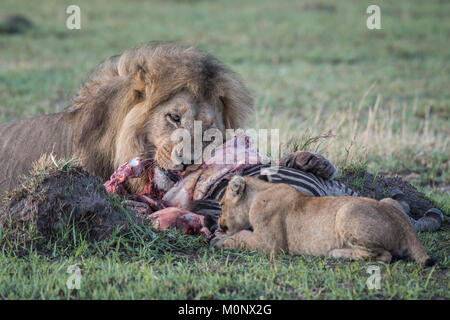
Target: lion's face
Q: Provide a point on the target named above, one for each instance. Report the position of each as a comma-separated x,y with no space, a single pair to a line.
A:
133,103
153,132
181,112
234,216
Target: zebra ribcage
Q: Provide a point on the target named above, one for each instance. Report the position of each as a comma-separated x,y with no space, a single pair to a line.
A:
300,180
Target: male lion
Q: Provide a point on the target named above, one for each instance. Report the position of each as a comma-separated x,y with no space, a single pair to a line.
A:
129,107
284,218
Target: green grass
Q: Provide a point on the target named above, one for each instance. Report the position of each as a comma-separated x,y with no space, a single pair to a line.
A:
170,265
313,67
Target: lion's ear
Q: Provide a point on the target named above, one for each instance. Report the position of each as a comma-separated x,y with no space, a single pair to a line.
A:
140,82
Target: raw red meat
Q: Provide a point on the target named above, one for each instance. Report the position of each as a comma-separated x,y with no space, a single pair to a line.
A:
228,160
176,218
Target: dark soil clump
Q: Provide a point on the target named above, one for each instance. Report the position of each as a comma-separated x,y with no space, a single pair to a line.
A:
379,187
14,24
61,197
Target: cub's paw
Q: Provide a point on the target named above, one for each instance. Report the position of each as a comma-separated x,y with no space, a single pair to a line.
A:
223,241
218,237
312,162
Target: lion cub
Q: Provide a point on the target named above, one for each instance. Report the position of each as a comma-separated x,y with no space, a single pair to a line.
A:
284,218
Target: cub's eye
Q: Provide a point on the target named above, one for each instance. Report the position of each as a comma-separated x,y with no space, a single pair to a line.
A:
174,118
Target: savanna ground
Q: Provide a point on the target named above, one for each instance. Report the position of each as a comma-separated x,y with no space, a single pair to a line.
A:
381,97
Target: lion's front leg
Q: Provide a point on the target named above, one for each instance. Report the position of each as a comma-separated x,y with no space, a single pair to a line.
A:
312,162
242,239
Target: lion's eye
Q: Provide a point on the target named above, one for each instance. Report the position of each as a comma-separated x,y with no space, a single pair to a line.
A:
174,118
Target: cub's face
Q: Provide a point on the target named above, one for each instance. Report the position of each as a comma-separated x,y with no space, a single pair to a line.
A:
172,122
234,216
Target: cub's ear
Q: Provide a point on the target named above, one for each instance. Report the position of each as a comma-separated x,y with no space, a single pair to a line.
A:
236,186
140,80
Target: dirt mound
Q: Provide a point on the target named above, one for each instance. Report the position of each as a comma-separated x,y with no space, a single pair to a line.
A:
14,24
379,187
51,200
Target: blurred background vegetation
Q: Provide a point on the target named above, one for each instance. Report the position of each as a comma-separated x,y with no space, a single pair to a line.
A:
313,67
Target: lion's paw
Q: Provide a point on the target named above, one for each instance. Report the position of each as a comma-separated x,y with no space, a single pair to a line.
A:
312,162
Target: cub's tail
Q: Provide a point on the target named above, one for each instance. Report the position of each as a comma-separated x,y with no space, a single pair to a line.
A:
417,250
411,243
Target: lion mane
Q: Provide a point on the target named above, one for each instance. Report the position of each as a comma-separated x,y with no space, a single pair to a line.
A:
103,126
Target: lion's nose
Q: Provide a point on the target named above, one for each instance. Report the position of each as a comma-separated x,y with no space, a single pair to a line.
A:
182,161
179,154
188,160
